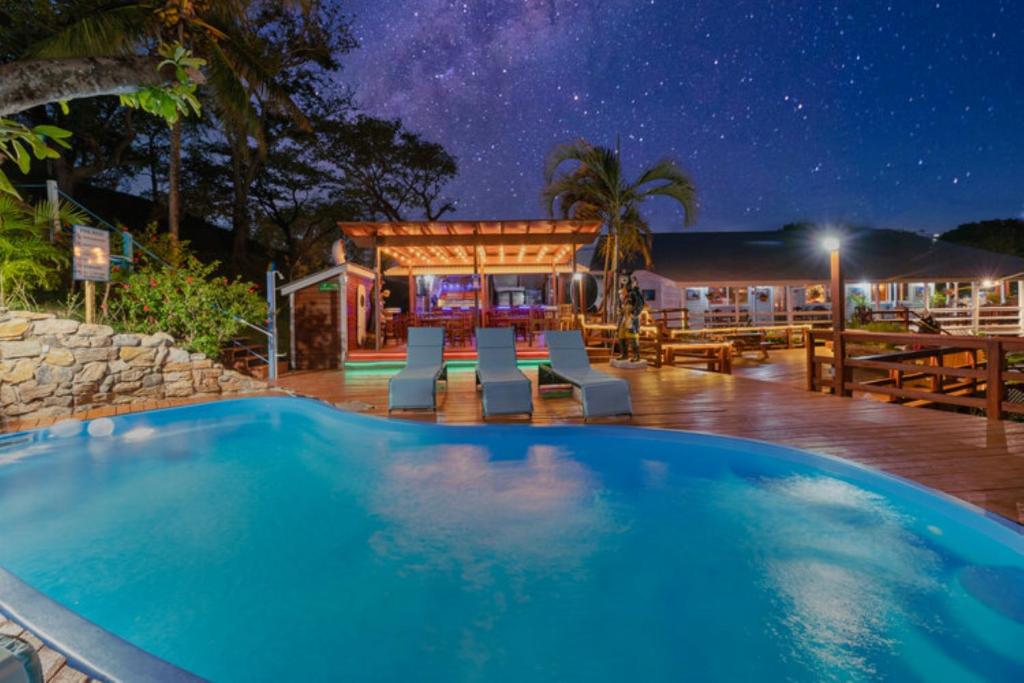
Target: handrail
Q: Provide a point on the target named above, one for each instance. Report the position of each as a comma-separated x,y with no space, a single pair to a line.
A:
952,370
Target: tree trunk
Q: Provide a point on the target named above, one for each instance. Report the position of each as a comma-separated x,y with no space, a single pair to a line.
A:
174,182
239,211
35,82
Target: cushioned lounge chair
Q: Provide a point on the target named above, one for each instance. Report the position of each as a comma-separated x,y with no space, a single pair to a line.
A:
415,385
602,394
505,390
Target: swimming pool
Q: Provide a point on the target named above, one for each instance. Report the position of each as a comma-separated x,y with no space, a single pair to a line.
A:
280,539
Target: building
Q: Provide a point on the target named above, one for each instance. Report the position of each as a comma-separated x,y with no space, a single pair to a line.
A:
763,277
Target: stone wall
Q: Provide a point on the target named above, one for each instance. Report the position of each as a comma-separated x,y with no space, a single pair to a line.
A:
51,368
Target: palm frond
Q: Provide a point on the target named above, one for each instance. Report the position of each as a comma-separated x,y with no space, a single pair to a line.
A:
102,33
560,154
675,183
232,98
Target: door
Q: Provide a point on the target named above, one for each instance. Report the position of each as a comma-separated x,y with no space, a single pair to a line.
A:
361,315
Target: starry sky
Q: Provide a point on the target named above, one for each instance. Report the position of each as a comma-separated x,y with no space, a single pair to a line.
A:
902,114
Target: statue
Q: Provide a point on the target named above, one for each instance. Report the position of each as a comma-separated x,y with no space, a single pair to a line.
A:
631,306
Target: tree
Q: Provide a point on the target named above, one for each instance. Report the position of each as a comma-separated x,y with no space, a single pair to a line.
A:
388,171
594,188
219,31
1005,236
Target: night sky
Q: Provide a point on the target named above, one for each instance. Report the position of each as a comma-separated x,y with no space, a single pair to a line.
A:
893,114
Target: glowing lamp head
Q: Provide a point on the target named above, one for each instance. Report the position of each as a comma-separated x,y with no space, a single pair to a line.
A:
988,283
831,243
577,276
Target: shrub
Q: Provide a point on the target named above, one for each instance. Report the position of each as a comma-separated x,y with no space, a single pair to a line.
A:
189,302
28,261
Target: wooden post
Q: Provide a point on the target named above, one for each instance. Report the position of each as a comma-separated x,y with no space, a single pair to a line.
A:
812,380
476,275
412,296
377,286
975,307
838,324
53,199
90,302
994,379
1020,306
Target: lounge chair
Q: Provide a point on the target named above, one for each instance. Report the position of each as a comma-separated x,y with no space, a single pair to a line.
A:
506,390
602,394
415,385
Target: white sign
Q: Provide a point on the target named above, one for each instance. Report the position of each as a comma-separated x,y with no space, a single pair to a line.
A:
92,254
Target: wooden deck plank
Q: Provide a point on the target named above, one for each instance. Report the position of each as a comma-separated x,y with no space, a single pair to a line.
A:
979,460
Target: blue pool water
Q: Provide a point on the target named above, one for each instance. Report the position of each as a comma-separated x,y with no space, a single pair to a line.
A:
282,540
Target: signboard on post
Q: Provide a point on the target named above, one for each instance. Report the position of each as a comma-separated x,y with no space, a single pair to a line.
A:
91,263
91,254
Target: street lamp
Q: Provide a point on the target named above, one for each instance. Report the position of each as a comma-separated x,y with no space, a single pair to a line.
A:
838,288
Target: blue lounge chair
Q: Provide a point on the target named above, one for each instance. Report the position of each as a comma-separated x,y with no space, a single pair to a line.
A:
602,394
505,389
415,385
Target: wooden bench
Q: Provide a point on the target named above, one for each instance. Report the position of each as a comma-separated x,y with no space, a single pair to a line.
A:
715,356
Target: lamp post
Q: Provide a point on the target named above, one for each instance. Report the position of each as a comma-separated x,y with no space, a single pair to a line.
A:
838,292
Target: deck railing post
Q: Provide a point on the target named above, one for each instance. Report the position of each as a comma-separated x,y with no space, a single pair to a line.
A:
1020,307
975,308
812,380
994,379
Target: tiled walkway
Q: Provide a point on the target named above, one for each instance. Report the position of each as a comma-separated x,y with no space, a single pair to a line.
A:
55,666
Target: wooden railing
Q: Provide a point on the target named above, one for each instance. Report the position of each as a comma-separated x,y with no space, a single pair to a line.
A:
920,369
725,318
671,318
989,320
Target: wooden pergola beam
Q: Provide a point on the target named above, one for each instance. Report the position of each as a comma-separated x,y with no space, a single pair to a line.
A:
485,240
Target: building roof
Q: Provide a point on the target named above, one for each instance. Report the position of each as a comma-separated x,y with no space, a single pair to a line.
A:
439,247
796,256
326,274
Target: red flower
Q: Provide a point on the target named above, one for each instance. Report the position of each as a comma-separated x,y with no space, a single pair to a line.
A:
152,282
190,279
145,307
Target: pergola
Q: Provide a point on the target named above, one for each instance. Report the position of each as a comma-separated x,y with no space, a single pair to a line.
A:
515,247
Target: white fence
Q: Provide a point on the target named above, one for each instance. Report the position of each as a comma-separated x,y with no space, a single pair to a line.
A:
987,320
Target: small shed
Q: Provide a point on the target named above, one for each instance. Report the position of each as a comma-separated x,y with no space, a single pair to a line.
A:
330,315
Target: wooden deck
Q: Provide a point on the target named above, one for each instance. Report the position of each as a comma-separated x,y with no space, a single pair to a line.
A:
979,460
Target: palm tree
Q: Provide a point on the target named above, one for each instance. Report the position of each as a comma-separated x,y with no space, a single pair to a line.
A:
594,188
216,31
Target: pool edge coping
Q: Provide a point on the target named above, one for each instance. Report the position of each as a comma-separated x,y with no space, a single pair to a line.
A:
110,658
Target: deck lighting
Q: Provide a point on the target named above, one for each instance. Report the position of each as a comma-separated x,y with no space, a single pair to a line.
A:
988,283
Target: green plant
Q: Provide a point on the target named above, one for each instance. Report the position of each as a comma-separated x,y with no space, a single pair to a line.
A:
176,98
28,260
938,299
876,326
201,310
17,139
